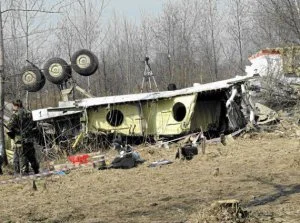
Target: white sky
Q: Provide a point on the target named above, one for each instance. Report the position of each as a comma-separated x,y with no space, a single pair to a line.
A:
132,9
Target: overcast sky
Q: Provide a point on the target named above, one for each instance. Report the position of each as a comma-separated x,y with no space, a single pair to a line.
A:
132,8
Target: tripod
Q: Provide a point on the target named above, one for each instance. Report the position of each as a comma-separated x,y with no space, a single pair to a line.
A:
148,75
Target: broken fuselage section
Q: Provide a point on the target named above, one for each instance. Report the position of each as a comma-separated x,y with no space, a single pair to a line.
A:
213,108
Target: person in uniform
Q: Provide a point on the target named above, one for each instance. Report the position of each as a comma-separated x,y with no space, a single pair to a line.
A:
21,128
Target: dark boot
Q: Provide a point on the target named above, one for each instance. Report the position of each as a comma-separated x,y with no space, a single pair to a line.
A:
36,171
1,172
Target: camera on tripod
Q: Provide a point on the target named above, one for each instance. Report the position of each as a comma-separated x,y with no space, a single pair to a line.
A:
148,75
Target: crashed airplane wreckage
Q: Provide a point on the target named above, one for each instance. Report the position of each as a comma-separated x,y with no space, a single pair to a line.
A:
213,108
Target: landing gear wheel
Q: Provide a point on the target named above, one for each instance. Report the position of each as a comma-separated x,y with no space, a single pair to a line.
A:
32,78
57,70
84,62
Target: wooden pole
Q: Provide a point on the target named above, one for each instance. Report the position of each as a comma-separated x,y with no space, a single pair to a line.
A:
2,139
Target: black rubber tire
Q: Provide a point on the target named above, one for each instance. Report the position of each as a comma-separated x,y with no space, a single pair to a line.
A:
57,70
84,62
32,78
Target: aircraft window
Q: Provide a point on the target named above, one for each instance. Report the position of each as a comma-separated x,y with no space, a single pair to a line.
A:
179,111
115,117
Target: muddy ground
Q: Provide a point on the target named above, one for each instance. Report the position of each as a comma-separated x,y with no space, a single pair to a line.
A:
260,169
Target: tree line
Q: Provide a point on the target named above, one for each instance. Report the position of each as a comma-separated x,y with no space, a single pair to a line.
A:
188,41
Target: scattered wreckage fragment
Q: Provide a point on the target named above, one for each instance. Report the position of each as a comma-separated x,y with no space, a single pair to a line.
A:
265,114
279,82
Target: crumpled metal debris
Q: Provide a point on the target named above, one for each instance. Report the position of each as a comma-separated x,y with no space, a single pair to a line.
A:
265,114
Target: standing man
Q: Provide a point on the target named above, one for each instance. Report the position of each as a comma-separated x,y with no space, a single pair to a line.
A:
21,127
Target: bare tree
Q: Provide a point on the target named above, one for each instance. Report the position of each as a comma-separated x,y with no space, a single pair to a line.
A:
209,39
238,29
125,55
80,27
27,28
212,24
175,33
165,32
277,22
186,42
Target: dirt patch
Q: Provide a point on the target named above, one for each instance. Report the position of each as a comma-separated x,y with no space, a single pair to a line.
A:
261,171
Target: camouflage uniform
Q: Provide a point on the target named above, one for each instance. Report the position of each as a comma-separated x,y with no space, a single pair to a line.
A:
21,125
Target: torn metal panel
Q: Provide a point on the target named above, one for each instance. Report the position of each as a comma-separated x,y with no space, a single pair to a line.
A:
49,113
89,102
169,116
163,117
280,64
117,118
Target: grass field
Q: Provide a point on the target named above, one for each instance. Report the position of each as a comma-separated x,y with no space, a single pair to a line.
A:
261,170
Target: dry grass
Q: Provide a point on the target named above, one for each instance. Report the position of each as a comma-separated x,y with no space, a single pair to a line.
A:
262,171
